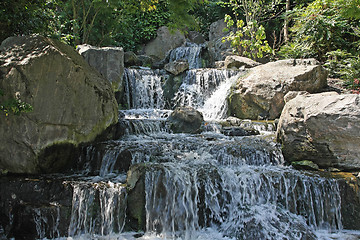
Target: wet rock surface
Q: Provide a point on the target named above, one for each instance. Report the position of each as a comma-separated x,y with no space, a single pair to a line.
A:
185,120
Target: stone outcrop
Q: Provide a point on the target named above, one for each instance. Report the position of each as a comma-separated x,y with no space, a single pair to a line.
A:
177,67
237,62
260,94
164,42
323,128
72,104
219,48
185,120
109,61
196,37
217,30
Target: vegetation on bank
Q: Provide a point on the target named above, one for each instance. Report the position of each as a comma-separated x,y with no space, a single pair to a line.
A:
328,30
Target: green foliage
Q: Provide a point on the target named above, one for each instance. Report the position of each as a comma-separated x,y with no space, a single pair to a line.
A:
320,28
23,17
295,50
344,65
139,27
14,105
249,40
209,12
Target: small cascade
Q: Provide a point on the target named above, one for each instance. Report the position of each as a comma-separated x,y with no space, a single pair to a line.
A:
199,84
215,107
44,225
97,208
143,88
190,52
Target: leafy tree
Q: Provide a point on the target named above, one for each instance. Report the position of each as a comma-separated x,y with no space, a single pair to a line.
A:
320,28
250,37
19,17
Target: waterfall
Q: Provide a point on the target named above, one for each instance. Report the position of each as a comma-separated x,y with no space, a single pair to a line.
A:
188,186
199,84
97,208
143,88
215,107
241,202
190,52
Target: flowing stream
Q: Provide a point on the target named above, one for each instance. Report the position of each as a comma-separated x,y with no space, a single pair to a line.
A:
196,186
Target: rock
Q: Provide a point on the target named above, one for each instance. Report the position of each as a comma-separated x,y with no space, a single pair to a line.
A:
219,49
196,37
164,42
131,59
217,30
185,120
305,165
234,61
146,61
293,94
323,128
220,64
30,206
239,131
177,67
109,61
260,94
136,213
72,104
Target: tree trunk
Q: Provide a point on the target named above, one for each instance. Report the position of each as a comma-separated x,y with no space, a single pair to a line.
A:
75,22
286,23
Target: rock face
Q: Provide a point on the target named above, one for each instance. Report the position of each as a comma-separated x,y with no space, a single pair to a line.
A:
109,61
196,37
177,67
216,46
234,61
260,95
323,128
71,103
216,30
164,42
185,120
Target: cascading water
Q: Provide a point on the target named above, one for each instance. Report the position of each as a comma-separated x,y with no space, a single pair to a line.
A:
199,84
190,52
195,186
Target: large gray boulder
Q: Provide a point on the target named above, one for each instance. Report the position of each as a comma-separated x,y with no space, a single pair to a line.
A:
323,128
260,94
164,42
109,61
185,120
72,104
